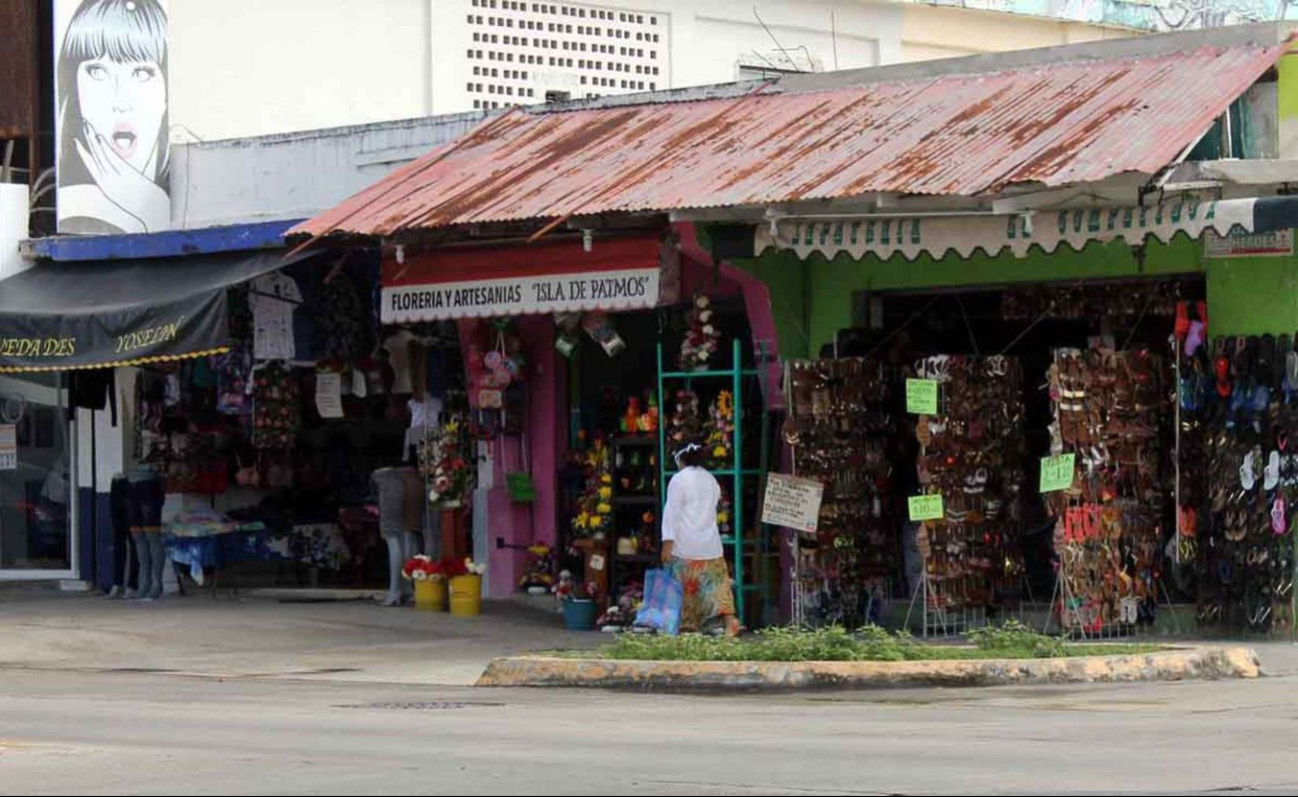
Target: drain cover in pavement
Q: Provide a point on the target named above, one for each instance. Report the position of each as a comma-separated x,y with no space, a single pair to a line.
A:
439,705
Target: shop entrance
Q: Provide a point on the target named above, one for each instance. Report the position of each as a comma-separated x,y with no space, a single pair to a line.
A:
1021,372
37,497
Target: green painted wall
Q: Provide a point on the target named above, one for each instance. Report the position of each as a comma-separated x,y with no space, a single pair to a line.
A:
1245,295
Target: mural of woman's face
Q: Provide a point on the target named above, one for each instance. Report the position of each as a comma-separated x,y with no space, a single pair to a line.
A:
125,102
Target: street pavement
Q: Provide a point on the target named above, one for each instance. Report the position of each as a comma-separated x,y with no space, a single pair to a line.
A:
240,697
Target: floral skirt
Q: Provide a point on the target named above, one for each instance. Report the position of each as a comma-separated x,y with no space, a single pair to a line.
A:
709,592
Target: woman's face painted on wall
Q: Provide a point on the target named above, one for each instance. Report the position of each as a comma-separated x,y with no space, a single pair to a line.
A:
125,102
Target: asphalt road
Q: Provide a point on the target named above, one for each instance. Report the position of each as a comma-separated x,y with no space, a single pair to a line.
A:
119,732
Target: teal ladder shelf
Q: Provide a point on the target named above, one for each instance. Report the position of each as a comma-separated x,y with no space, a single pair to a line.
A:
734,543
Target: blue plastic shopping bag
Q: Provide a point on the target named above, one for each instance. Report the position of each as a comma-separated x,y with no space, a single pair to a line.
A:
663,599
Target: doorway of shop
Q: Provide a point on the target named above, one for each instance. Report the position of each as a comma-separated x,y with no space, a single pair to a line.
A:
38,506
1036,325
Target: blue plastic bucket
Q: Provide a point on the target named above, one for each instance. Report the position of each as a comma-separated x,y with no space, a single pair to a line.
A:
579,615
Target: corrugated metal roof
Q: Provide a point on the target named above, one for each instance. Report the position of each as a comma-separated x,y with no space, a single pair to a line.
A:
962,135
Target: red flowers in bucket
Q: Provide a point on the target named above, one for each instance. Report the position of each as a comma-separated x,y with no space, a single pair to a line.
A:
423,568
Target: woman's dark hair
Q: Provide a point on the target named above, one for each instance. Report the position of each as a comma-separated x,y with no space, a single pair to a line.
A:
690,455
121,30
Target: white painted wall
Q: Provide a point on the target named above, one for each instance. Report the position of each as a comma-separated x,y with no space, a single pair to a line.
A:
14,203
252,67
242,68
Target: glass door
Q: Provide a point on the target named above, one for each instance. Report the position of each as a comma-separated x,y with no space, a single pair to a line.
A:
37,488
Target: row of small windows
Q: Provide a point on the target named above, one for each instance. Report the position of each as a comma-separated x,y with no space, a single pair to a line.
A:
547,8
582,30
612,83
510,74
492,88
613,66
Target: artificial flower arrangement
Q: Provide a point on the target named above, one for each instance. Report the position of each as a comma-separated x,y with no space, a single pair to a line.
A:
538,576
724,513
454,568
721,430
422,568
595,507
441,461
702,339
683,423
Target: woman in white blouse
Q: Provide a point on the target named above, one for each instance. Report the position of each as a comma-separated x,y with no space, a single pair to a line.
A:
692,544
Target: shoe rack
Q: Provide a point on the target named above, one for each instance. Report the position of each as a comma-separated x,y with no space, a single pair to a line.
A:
840,425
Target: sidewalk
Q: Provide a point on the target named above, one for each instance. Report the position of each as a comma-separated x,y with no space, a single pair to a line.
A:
237,637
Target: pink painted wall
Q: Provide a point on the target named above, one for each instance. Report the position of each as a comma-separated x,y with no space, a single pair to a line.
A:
700,275
545,428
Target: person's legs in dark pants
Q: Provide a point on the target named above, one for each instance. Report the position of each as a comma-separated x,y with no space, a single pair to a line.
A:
124,575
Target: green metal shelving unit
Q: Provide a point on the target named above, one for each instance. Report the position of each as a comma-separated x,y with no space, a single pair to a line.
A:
734,543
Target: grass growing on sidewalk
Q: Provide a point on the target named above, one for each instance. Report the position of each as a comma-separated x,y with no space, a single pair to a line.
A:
1010,641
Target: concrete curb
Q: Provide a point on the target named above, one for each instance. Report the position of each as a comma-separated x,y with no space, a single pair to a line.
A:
1170,665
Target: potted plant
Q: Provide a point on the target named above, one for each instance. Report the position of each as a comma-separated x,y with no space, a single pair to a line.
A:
429,581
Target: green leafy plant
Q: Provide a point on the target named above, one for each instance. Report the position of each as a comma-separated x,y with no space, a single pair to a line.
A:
1016,638
1012,640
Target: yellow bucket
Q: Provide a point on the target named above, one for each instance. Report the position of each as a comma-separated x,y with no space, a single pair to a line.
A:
466,596
430,596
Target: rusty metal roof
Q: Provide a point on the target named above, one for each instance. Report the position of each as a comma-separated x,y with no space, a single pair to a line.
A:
952,134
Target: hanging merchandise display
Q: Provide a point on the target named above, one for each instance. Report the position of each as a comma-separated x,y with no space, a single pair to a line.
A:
840,427
1109,521
600,329
1119,302
277,411
1240,393
972,454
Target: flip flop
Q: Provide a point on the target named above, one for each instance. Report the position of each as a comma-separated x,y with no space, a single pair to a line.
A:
1194,338
1279,520
1271,474
1247,476
1182,325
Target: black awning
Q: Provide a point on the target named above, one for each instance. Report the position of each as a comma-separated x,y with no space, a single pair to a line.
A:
66,315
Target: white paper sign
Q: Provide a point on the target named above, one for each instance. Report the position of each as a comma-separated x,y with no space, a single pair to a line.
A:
8,447
329,395
792,502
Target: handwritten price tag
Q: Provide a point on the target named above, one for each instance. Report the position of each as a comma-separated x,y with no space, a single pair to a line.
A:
1057,472
925,507
921,396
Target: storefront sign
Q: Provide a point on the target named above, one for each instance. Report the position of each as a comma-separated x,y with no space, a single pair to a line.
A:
792,502
1057,472
921,396
1021,233
1262,244
618,290
632,272
925,507
8,447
